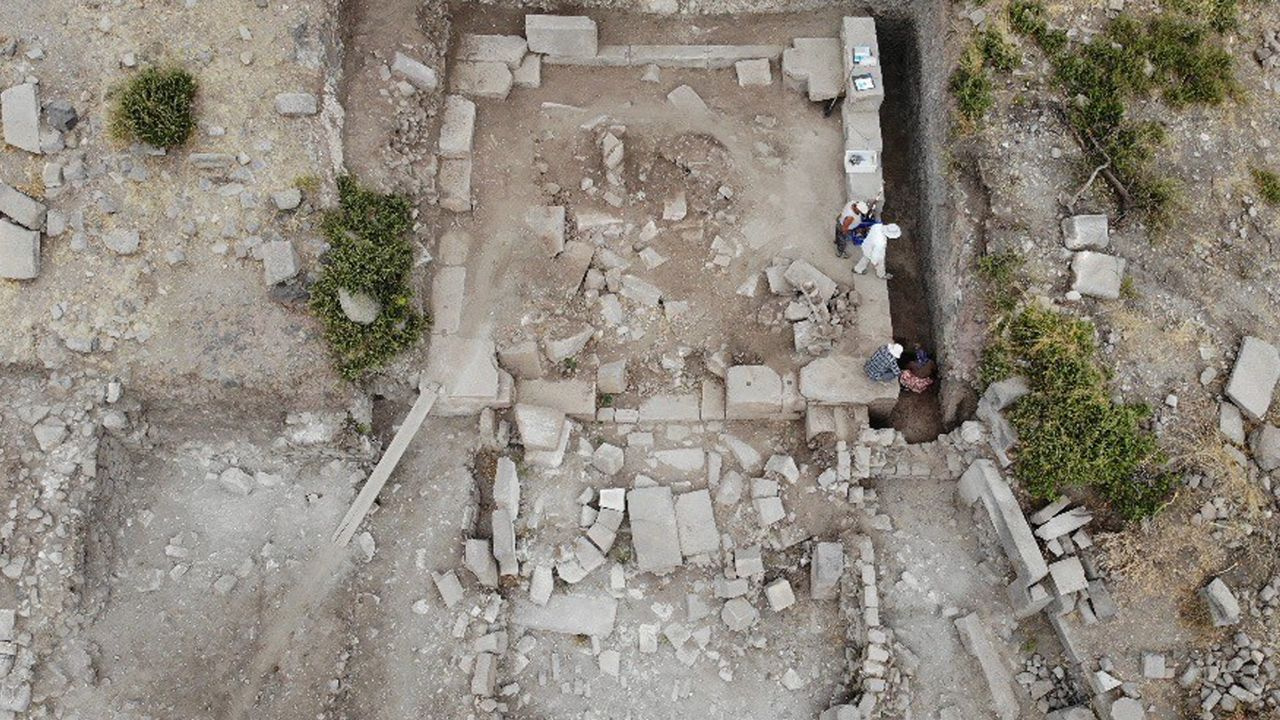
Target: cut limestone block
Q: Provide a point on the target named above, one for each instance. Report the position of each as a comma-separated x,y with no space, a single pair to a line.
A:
484,675
22,209
504,542
826,570
611,377
568,615
752,391
455,184
20,114
541,585
1068,576
860,32
671,408
713,399
606,56
550,458
297,104
539,427
814,66
529,74
19,252
562,35
575,397
1231,422
1097,274
841,380
697,524
1265,445
1253,380
739,614
506,487
654,531
780,595
1224,609
562,348
457,128
546,223
687,99
483,79
508,50
754,73
418,75
467,370
523,359
479,560
448,291
982,481
981,643
1085,232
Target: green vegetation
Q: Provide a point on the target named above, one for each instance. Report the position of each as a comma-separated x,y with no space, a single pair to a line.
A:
1071,432
1221,15
370,253
1173,56
156,107
971,80
999,270
1268,185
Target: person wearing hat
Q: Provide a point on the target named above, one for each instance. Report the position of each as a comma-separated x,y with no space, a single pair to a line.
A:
873,247
883,365
852,225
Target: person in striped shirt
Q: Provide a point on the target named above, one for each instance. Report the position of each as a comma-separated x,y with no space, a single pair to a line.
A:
883,365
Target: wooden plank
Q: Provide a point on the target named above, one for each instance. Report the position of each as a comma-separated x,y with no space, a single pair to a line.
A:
408,429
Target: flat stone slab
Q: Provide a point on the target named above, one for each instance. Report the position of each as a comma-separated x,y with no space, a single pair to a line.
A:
575,397
458,127
21,209
540,427
297,104
696,521
654,532
454,182
482,79
1097,274
1253,379
1086,232
562,35
671,408
418,75
546,224
506,49
978,639
752,392
754,73
448,293
467,370
982,481
687,99
20,114
19,252
568,615
841,380
814,66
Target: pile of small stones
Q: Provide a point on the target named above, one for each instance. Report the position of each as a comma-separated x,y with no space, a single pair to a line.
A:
1050,686
1268,53
1234,676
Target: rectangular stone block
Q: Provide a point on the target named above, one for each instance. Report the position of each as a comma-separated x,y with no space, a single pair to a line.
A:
1086,232
671,408
506,49
529,74
840,380
696,521
483,79
418,75
575,397
978,639
561,35
20,115
448,292
19,252
546,224
454,182
607,56
713,398
457,128
568,615
1097,274
752,391
1253,379
825,570
654,530
23,210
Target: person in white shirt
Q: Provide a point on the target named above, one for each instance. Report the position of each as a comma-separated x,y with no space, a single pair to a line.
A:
874,246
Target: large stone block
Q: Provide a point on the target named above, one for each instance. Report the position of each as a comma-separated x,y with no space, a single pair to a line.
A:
752,391
546,224
448,292
506,49
671,408
840,380
654,529
562,35
20,114
19,252
458,127
418,75
978,639
575,397
467,370
1097,274
454,182
522,359
1253,380
568,615
22,209
540,427
814,66
825,570
982,481
1086,232
696,521
483,79
754,73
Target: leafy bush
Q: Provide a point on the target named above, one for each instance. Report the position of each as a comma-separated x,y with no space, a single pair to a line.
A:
972,88
156,107
370,253
1268,185
1071,433
998,53
1173,56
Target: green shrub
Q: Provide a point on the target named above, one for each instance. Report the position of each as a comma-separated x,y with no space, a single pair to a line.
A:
156,107
999,273
1221,15
370,253
997,52
1172,56
1071,433
1268,185
972,88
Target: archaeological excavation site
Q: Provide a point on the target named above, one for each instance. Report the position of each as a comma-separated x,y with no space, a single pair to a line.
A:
639,359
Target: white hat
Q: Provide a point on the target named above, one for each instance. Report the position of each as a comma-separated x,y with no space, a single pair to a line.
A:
892,231
895,350
862,207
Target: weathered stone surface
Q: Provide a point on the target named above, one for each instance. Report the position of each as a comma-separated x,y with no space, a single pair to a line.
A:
529,74
1097,274
454,182
754,73
696,521
670,408
297,104
449,587
840,380
978,640
482,79
484,675
1253,380
654,532
467,371
539,427
1127,708
569,615
575,397
20,115
611,377
478,558
541,585
418,75
803,276
560,349
713,399
682,461
982,481
1231,422
448,293
686,99
814,66
523,359
1224,609
1067,522
359,307
640,291
279,261
19,252
457,127
562,35
506,487
504,542
1068,576
780,595
506,49
1265,444
546,224
608,459
825,570
287,199
752,391
739,614
122,241
1085,232
21,209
